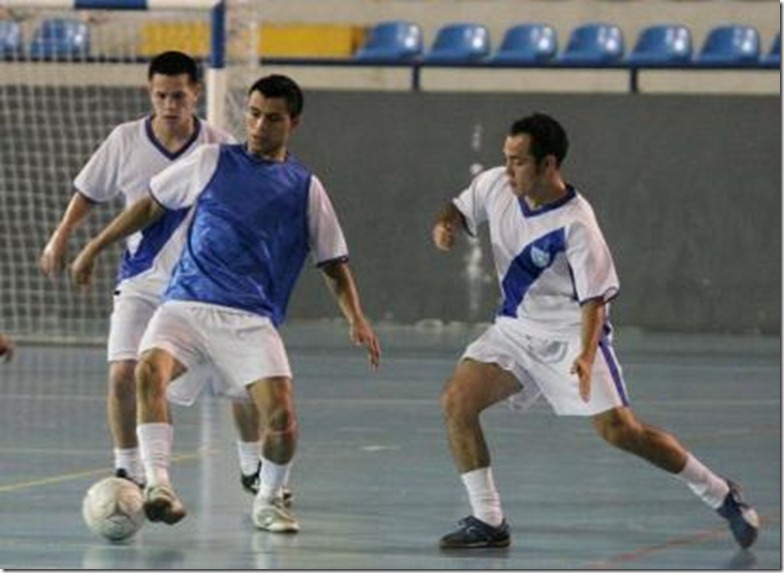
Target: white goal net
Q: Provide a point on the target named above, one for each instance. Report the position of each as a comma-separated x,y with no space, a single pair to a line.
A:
55,109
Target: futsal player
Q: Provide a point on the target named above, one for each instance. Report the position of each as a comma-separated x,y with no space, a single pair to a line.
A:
123,165
258,213
551,335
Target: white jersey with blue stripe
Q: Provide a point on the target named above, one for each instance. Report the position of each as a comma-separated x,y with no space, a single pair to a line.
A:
548,261
254,223
123,166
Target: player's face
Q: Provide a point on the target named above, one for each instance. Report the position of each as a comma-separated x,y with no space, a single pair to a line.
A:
173,100
269,125
524,174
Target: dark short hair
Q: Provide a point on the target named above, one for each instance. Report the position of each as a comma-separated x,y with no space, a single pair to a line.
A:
174,63
548,137
280,86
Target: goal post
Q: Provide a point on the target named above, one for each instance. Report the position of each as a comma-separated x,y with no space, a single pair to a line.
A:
56,109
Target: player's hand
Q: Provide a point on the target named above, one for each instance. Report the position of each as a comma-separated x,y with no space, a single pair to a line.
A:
6,347
444,235
583,367
362,335
51,261
82,268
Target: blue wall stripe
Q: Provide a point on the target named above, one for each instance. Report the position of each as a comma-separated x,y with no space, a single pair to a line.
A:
218,37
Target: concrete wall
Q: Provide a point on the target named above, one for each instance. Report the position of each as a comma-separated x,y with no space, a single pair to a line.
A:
687,189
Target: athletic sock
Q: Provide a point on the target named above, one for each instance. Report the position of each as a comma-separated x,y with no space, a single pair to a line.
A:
709,487
273,477
129,460
155,443
483,496
249,453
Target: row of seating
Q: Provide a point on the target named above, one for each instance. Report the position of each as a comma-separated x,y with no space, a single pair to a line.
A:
594,43
524,44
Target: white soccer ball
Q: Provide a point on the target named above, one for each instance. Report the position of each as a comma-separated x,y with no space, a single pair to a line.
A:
113,508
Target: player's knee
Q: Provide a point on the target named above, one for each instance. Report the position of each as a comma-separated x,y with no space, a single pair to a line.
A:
122,381
623,434
282,420
149,379
455,404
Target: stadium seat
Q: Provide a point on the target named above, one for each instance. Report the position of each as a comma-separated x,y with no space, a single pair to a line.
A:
774,55
459,43
732,44
60,38
11,44
527,43
662,44
392,41
595,43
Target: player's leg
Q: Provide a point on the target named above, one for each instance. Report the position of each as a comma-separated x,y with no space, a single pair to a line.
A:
621,428
156,368
130,315
473,387
121,414
246,422
274,399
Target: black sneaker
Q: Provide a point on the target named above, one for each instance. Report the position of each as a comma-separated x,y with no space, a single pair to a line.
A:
123,473
743,520
474,533
250,483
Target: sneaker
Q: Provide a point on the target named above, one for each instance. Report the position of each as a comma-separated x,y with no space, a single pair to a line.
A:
250,483
123,473
271,515
743,520
162,504
474,533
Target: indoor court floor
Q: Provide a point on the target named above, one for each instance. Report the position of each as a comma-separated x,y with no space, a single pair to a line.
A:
374,484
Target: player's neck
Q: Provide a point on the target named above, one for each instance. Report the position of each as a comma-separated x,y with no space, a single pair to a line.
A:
547,194
172,138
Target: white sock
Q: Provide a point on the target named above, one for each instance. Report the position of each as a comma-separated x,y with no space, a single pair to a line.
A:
483,496
249,454
709,487
129,460
273,477
155,443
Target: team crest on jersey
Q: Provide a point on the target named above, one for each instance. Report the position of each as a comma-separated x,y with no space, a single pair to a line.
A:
540,257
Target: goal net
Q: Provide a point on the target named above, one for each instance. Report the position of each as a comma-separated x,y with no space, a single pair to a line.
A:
57,104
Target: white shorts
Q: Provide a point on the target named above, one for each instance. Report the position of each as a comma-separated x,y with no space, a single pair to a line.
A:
543,367
130,316
241,346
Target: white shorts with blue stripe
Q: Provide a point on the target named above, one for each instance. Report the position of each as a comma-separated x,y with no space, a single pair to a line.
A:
543,367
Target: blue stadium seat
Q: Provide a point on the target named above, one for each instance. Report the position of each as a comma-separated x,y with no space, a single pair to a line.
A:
527,43
731,44
11,43
60,38
773,57
595,43
392,41
662,44
459,43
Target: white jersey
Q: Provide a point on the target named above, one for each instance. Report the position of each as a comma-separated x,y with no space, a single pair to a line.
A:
548,261
123,165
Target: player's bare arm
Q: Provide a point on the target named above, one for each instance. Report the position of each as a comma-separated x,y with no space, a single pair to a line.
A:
134,218
6,347
53,255
341,282
448,223
594,313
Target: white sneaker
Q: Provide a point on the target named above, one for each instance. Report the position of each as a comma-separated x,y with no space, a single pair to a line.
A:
162,504
271,515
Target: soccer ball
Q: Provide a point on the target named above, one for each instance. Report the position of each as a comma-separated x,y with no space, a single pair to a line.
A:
113,508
